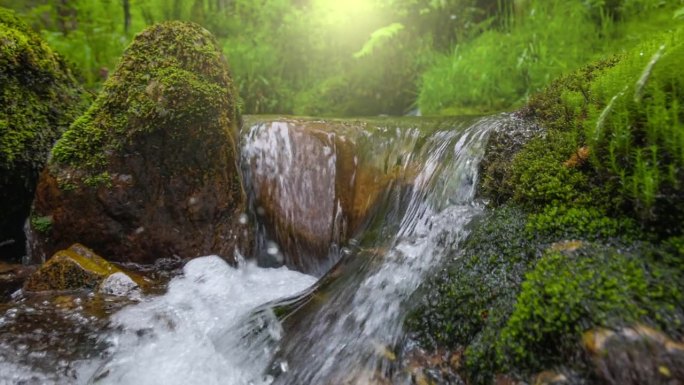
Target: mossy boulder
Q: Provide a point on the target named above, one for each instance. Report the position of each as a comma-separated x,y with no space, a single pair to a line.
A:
463,307
613,139
39,98
569,292
75,268
518,294
150,170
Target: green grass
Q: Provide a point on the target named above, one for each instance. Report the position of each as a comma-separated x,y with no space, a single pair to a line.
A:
542,40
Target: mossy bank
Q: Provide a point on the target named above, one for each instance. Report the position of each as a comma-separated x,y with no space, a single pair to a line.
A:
584,231
150,169
39,98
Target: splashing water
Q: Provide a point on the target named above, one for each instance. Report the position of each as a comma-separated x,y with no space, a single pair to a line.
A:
180,337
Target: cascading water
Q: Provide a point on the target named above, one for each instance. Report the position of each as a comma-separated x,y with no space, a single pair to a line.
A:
348,339
217,324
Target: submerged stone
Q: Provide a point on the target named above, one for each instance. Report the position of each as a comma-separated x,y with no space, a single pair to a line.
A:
39,98
77,267
150,171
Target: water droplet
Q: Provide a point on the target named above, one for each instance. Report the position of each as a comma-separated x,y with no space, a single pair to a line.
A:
243,219
271,248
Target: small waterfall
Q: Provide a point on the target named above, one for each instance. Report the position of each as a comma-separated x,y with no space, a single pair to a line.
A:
348,339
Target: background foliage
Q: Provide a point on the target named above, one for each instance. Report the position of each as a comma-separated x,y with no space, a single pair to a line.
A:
367,57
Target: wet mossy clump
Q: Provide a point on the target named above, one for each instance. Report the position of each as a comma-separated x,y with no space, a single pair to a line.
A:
480,282
150,169
515,302
39,98
571,291
614,140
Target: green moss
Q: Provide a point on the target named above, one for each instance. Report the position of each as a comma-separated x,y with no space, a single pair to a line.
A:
627,113
539,177
557,223
171,76
102,179
469,302
636,126
516,271
568,293
42,224
39,95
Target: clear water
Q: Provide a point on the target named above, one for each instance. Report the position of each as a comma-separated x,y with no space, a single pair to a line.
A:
216,324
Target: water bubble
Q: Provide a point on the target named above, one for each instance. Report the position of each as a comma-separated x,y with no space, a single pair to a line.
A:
243,219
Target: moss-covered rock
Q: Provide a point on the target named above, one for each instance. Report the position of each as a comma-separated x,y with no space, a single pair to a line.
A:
613,138
150,170
466,305
77,267
568,293
39,98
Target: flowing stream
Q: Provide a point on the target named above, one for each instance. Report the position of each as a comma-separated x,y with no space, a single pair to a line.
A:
338,324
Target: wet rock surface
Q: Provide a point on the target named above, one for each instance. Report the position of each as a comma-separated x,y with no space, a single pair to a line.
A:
150,170
12,277
315,183
635,355
39,98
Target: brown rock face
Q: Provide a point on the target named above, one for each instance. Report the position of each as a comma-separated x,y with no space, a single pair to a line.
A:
150,170
315,183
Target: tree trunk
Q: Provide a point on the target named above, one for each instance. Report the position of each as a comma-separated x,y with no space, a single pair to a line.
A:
127,15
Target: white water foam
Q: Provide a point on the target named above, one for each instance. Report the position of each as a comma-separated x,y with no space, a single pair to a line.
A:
182,337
